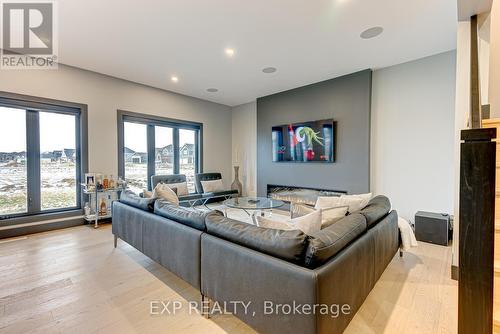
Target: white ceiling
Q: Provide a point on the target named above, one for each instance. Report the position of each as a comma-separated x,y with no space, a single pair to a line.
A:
147,41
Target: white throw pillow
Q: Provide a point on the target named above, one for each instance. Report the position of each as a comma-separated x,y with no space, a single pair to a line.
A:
212,186
324,202
332,215
182,188
356,202
328,215
308,224
299,210
165,192
272,223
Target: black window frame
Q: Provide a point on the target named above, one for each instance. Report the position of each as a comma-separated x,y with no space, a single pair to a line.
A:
33,105
151,121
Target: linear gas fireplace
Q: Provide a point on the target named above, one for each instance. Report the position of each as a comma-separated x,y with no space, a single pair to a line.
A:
297,194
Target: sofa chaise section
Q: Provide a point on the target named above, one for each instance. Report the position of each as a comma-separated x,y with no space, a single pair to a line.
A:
348,264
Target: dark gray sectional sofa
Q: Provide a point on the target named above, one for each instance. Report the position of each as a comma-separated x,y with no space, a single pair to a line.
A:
231,261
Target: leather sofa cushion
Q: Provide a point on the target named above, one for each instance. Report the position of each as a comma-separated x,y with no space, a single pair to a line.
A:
186,216
377,208
286,245
324,244
130,198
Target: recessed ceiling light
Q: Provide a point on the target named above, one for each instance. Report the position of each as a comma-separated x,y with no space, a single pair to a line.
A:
212,90
174,78
229,52
269,70
371,33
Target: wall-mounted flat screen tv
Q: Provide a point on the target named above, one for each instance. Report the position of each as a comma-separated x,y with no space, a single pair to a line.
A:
305,142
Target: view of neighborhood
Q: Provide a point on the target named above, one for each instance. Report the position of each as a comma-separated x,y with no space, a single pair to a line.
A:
136,156
136,165
12,182
58,181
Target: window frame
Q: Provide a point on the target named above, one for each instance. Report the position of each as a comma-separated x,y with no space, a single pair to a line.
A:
151,121
33,105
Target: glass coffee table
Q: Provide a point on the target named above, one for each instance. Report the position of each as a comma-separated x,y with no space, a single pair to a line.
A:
254,204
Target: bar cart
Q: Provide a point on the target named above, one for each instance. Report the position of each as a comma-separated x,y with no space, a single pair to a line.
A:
94,195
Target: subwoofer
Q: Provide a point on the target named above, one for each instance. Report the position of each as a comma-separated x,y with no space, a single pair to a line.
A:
433,227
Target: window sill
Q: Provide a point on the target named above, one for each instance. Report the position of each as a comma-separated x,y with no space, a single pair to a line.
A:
41,218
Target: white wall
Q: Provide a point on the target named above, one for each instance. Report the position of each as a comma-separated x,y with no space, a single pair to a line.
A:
462,110
484,23
244,121
412,139
104,95
494,75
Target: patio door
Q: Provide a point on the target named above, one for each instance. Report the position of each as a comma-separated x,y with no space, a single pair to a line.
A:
39,160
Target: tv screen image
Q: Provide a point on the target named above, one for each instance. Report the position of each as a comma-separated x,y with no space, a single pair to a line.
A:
304,142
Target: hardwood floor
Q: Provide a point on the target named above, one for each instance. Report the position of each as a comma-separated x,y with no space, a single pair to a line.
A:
74,281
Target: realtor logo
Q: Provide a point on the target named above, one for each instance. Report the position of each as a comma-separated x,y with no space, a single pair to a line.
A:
28,35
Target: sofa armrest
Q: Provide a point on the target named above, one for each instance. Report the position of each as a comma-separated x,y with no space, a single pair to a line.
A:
190,197
233,273
349,276
128,222
220,193
346,280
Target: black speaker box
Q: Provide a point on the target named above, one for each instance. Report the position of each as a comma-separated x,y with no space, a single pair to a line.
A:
433,227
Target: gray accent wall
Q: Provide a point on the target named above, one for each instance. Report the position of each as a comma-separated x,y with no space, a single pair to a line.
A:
347,100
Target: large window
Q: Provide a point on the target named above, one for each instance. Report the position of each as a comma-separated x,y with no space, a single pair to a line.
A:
58,170
136,155
13,171
40,158
164,150
187,153
150,145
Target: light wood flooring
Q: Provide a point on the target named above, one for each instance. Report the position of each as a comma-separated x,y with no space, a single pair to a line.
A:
74,281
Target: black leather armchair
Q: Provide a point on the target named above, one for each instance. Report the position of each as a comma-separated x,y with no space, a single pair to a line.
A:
198,198
212,196
190,199
167,179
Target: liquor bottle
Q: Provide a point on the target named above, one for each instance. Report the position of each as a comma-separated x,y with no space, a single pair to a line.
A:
87,209
98,181
111,182
103,209
105,182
